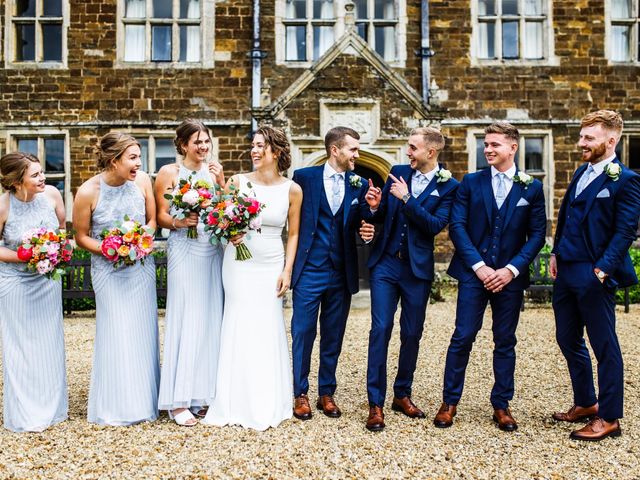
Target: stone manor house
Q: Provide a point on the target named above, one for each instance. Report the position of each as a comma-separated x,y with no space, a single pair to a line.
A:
73,70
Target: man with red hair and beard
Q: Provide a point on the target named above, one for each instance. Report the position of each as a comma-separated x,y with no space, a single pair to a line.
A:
597,223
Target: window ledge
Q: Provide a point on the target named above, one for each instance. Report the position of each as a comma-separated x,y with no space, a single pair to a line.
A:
35,65
543,62
162,65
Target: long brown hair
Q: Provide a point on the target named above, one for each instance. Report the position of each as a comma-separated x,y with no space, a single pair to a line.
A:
13,167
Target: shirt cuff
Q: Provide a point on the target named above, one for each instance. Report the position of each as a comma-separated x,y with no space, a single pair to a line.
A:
514,270
373,210
476,266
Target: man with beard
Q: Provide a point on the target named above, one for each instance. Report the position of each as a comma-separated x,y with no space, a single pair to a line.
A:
596,225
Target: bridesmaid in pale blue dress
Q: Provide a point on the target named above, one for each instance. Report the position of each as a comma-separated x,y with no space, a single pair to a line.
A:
126,374
194,287
35,382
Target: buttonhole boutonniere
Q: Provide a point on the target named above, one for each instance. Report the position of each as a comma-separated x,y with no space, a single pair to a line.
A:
523,178
443,175
355,181
613,171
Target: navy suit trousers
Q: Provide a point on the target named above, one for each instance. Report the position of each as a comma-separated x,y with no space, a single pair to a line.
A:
391,280
324,289
581,301
505,308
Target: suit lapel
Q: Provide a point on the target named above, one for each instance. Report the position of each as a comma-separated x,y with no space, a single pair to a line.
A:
317,190
595,186
574,180
487,193
348,196
512,201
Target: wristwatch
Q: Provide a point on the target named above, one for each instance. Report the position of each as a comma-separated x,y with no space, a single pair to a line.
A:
406,197
601,275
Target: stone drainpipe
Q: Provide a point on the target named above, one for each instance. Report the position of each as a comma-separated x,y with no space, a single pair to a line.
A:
425,51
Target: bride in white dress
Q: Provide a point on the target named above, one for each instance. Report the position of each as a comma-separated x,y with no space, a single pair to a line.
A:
254,385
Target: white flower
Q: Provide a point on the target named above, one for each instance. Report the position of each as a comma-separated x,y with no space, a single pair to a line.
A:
128,225
355,181
613,170
443,175
255,223
190,197
523,178
44,266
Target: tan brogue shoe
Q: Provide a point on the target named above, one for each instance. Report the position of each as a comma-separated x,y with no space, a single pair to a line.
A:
576,414
375,421
328,406
596,430
406,406
444,417
301,408
504,419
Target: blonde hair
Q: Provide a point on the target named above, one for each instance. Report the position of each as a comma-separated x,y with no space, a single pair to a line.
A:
13,167
111,147
431,135
609,120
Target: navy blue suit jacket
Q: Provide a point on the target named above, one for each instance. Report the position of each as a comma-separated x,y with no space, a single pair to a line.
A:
609,224
426,215
472,217
312,184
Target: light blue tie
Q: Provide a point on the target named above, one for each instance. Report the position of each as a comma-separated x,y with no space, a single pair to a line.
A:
501,191
335,193
584,180
420,185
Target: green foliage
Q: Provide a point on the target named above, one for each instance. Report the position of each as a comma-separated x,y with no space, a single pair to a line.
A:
634,291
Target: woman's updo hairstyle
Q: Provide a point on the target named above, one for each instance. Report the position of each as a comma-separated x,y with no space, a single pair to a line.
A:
277,140
13,167
111,147
188,127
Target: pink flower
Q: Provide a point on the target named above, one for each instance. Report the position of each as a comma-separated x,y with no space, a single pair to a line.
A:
204,193
44,266
254,207
191,197
25,254
255,223
230,211
110,247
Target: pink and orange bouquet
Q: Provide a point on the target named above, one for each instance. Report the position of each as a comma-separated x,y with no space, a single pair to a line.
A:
126,243
233,214
47,252
188,197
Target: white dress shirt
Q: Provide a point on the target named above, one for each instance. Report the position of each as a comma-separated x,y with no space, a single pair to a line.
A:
508,184
419,185
598,168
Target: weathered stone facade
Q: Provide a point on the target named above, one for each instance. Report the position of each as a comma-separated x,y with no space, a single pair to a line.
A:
94,93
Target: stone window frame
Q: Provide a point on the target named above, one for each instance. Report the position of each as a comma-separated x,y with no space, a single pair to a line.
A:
546,175
633,22
339,30
41,134
150,137
622,149
39,20
548,38
207,37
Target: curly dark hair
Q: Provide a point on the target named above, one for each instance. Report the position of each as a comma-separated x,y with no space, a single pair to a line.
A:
277,140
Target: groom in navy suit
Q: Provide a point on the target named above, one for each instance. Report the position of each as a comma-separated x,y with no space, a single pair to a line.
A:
414,207
597,223
325,272
498,226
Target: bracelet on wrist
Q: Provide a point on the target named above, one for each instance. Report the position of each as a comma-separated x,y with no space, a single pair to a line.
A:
173,224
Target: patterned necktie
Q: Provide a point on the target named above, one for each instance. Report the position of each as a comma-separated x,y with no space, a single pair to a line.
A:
419,185
584,180
335,193
501,191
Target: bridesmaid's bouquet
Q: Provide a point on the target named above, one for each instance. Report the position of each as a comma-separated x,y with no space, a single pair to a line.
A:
47,252
234,214
189,197
127,242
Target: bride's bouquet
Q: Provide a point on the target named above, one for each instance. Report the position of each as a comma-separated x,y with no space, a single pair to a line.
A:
189,197
127,242
234,214
47,252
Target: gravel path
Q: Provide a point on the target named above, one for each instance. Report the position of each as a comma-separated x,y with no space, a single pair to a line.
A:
343,448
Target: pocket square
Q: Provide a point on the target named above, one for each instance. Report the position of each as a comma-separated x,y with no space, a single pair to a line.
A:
354,201
522,202
604,193
434,194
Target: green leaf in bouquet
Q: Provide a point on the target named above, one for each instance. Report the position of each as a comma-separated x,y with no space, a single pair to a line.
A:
168,196
132,254
111,251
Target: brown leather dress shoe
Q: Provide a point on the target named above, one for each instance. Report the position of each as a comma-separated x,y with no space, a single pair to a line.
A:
596,430
301,408
504,420
444,417
576,413
406,406
375,422
328,406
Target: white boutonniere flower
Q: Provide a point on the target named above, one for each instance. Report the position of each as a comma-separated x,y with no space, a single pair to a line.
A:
355,181
523,178
443,175
613,170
